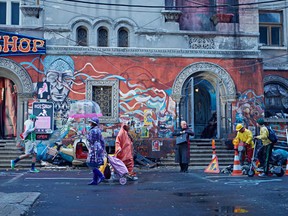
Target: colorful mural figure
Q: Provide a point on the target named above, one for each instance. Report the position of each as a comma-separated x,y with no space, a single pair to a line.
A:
59,72
249,108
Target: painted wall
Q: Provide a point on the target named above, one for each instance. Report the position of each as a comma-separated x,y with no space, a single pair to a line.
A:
145,88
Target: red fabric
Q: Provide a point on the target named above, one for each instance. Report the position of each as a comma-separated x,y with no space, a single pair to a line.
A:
9,109
130,165
124,148
80,154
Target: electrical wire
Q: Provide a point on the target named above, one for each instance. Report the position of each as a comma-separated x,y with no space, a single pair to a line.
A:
175,7
151,11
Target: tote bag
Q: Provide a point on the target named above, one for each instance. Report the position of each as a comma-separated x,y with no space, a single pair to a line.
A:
181,139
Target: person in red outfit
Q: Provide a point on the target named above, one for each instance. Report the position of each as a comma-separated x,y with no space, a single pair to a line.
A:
124,149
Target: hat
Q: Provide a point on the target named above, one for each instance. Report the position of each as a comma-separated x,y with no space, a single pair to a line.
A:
33,116
239,127
94,120
260,121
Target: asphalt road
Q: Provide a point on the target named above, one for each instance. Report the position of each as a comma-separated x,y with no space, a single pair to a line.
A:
159,191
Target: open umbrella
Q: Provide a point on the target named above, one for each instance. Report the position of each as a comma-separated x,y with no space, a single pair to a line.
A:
84,109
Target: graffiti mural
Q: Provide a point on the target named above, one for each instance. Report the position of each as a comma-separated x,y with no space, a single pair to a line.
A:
141,98
249,108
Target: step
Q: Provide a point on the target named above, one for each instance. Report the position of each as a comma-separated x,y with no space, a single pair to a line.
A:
201,154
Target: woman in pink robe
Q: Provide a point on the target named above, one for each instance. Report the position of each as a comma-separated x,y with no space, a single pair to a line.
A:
124,148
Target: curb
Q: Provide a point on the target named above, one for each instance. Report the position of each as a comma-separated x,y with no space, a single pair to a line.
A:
14,204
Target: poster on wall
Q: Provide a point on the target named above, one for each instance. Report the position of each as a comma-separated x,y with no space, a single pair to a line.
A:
144,132
156,145
45,117
43,90
148,120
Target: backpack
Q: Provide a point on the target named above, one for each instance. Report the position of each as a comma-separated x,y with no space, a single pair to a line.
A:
272,135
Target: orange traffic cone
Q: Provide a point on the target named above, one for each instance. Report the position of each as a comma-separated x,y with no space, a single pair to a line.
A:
236,167
213,167
286,173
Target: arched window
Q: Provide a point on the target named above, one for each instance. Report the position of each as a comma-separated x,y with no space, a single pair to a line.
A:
123,39
82,36
276,100
102,37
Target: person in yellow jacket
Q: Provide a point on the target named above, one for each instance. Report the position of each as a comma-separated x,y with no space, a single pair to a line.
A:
267,145
246,137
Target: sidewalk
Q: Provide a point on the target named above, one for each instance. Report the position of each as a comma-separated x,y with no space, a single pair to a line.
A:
17,204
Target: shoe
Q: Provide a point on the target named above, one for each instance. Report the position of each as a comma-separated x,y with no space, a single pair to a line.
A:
100,179
262,175
34,170
132,178
12,164
43,163
93,183
132,174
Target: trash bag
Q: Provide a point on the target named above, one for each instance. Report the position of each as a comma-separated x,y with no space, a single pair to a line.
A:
41,152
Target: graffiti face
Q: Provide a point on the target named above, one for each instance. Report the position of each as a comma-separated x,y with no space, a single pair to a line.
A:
60,84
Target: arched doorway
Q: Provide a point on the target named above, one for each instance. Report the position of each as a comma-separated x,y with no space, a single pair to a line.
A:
198,104
205,91
16,88
8,108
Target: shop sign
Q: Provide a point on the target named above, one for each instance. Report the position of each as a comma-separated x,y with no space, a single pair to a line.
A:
45,117
16,44
42,136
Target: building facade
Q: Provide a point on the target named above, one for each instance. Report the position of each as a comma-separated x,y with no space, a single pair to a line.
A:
153,64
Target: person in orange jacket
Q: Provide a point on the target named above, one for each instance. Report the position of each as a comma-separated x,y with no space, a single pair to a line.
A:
245,136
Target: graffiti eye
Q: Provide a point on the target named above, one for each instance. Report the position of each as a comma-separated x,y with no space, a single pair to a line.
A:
68,78
52,77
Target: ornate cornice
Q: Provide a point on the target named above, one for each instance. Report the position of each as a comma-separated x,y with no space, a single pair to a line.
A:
276,66
30,10
117,51
171,15
201,42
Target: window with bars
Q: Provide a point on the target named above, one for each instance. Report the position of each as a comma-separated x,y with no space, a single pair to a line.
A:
123,37
102,37
82,36
106,94
103,96
271,28
9,12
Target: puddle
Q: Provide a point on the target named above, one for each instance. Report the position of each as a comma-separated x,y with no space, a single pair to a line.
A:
230,210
